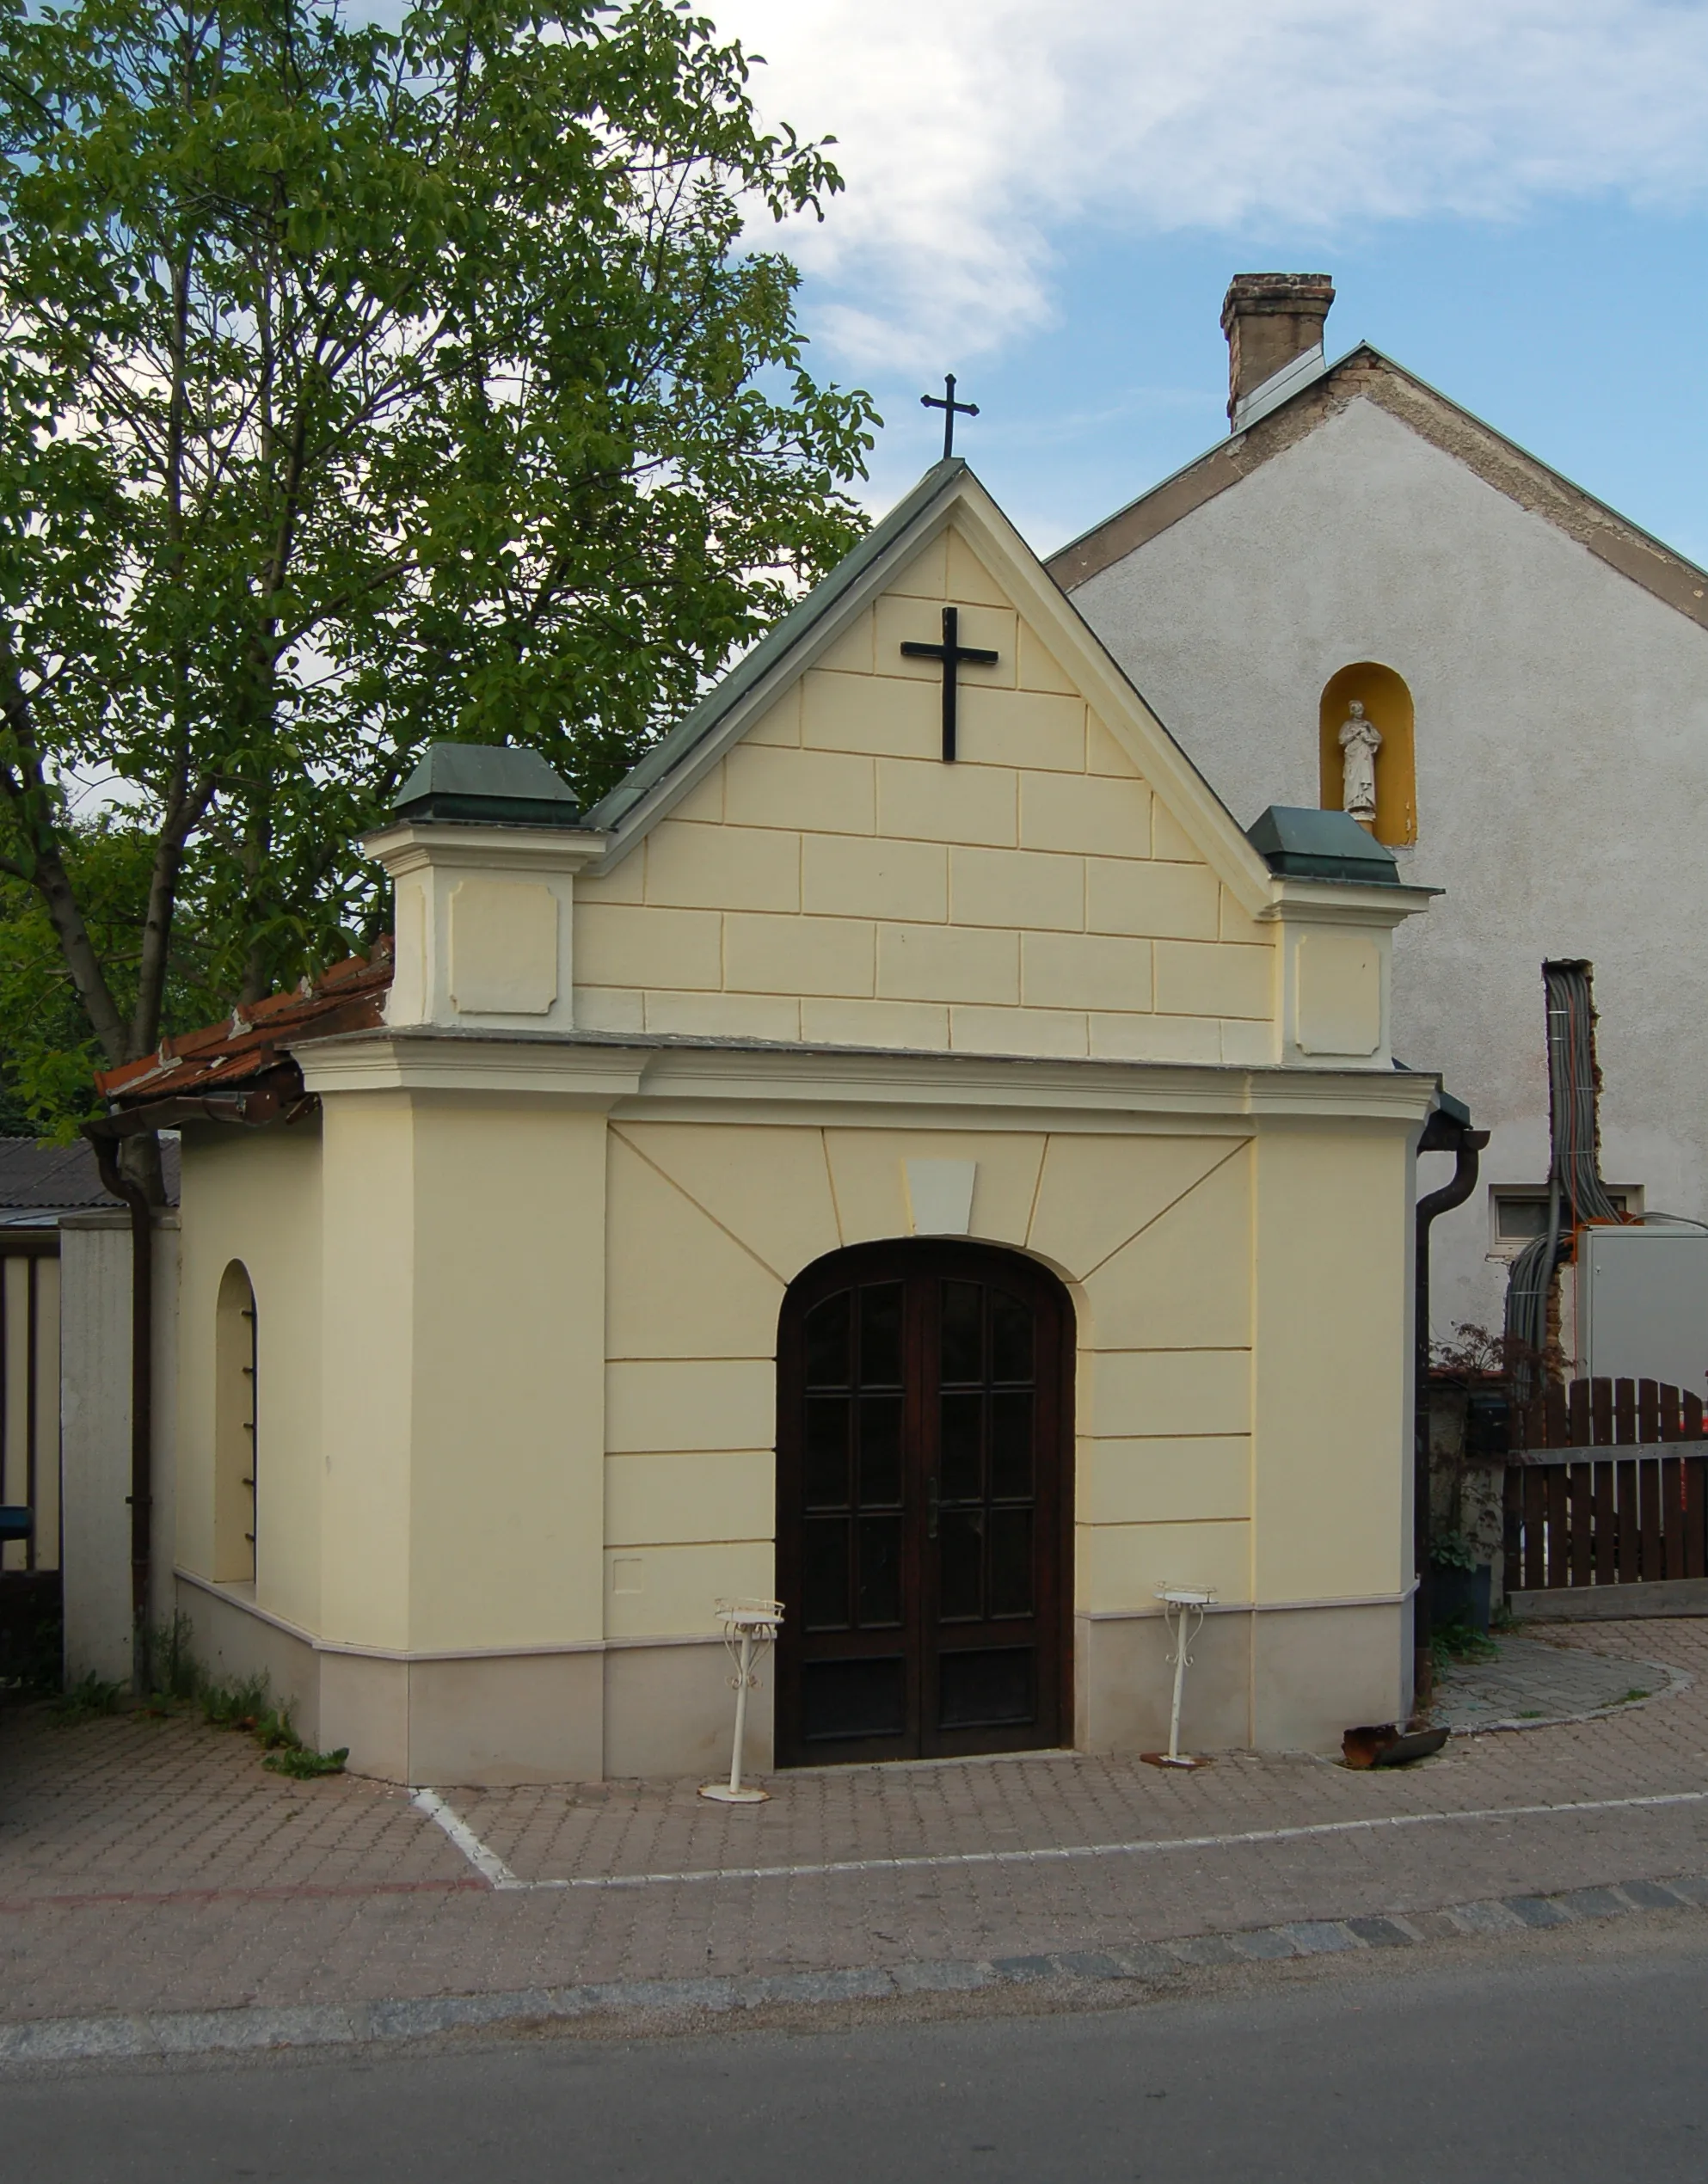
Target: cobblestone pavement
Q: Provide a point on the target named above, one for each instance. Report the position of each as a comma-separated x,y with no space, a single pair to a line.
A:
1530,1680
150,1865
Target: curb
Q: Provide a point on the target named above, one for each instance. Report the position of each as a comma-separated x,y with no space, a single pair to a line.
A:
158,2035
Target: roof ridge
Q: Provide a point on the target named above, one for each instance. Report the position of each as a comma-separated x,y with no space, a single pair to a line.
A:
1227,462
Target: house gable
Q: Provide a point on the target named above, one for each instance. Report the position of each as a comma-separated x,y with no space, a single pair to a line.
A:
1068,886
1364,374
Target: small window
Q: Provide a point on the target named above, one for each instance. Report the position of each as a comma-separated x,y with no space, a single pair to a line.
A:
1519,1213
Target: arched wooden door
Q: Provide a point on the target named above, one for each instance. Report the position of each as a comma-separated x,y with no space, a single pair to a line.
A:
924,1520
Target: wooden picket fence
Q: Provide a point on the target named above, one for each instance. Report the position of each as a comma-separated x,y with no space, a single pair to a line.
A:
1578,1514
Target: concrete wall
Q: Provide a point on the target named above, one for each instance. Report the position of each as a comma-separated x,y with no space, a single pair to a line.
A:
548,1401
94,1405
708,1226
1562,760
1247,1435
833,881
94,1409
463,1310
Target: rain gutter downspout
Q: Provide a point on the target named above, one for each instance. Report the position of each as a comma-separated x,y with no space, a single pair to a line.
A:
1441,1133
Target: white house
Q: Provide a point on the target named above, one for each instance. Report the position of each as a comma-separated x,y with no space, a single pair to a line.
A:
1538,669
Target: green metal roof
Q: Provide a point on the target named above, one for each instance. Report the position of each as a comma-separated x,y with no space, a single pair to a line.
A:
1304,844
500,784
751,669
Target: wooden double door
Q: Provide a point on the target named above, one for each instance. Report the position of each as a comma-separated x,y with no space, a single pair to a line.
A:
925,1420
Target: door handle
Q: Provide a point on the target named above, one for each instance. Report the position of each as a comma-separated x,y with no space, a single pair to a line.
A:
931,1507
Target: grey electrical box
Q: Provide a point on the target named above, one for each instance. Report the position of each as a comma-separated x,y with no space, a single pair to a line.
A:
1643,1306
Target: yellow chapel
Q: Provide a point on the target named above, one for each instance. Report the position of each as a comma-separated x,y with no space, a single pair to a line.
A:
907,1154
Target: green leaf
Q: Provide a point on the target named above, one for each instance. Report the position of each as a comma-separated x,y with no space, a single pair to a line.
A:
359,388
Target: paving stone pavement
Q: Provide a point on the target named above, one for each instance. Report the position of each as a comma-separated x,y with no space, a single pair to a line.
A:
153,1866
1529,1680
1065,1975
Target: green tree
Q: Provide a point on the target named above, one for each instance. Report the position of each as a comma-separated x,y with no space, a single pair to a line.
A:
358,387
49,1052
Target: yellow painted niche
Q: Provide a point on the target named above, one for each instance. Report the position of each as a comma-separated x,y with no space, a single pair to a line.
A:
1387,701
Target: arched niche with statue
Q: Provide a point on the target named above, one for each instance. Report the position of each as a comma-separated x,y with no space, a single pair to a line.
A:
1366,743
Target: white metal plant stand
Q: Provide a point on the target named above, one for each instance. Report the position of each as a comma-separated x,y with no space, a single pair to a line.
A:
748,1626
1180,1603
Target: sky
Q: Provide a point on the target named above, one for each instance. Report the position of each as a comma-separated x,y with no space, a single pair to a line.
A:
1049,197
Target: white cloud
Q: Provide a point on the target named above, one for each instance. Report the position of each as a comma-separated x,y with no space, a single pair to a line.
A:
973,133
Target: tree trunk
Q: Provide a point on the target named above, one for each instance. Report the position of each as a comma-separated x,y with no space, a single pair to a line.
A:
139,1161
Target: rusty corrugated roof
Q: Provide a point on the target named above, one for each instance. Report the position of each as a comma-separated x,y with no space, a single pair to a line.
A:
36,1177
251,1044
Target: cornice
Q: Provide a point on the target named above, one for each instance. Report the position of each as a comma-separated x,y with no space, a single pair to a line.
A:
410,845
427,1061
661,1079
1343,902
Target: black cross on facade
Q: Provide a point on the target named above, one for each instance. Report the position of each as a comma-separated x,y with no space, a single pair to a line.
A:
951,410
951,651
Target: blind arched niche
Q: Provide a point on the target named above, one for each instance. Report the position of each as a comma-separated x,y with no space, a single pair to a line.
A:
234,1428
1387,701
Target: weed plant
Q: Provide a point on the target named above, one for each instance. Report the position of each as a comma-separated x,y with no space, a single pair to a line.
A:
88,1700
298,1761
246,1704
243,1704
1457,1641
177,1675
236,1705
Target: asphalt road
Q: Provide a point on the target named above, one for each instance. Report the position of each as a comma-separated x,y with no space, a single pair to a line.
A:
1582,2058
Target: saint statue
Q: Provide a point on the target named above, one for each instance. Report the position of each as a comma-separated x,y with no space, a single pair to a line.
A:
1360,741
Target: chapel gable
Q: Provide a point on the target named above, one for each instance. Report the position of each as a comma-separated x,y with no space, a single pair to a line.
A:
896,851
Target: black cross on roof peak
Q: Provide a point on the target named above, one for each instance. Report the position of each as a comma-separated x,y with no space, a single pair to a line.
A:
950,408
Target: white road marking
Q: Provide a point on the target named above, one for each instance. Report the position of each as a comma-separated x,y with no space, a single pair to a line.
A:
488,1862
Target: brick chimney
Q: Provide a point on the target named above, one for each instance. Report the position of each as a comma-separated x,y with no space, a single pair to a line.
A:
1271,320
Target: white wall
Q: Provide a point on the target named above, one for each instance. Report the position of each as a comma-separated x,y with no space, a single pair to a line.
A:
1562,728
94,1429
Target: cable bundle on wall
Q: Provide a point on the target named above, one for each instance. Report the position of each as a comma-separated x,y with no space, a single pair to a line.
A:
1576,1191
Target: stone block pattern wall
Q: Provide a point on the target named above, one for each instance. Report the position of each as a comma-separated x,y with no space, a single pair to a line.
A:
832,881
708,1223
